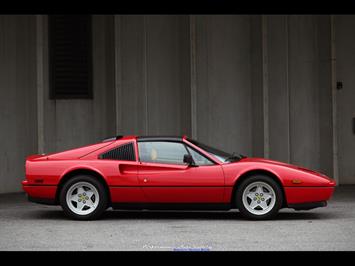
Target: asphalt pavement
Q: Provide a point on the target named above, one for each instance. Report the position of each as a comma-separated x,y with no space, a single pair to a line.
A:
30,226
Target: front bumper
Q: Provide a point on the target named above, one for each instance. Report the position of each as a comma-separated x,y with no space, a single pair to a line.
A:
303,195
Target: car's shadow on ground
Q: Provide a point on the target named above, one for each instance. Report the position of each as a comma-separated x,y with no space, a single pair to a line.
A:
180,215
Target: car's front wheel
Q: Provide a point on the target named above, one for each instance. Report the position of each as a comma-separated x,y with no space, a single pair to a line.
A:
259,197
83,198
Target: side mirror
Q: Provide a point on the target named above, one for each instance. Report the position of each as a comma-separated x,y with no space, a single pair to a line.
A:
188,160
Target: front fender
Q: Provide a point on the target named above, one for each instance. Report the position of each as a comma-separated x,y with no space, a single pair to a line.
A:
234,172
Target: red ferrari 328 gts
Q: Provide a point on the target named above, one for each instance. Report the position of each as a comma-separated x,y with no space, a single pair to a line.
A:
130,172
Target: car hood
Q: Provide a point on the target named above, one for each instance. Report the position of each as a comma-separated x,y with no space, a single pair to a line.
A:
267,161
262,160
290,173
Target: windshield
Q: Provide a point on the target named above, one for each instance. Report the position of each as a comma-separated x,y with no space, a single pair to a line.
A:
221,156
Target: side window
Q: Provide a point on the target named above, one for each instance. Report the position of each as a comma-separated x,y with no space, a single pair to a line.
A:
123,153
199,159
162,152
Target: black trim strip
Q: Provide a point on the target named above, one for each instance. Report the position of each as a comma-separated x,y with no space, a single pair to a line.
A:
307,206
171,186
159,138
44,201
171,206
307,187
113,138
40,185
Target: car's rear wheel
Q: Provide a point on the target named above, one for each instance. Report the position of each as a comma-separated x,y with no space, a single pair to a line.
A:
83,198
259,197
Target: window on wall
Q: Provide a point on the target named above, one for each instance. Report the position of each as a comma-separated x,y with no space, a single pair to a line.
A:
70,56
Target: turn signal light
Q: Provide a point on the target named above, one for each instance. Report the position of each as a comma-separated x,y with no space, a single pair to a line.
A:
296,181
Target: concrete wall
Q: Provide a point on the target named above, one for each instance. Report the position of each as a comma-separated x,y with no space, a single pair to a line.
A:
300,90
224,82
154,75
345,62
18,134
72,123
295,57
258,85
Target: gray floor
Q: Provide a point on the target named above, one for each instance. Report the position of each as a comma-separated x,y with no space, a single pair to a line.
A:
28,226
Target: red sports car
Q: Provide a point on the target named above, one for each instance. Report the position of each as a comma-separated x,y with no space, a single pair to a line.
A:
130,172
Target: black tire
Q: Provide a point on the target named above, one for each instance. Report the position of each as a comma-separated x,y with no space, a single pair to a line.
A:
258,178
103,197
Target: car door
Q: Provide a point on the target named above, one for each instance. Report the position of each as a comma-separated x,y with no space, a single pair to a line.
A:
165,178
120,166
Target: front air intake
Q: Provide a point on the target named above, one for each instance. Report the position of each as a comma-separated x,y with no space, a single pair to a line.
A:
123,153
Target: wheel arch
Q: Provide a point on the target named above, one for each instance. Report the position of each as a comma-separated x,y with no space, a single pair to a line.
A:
249,173
82,171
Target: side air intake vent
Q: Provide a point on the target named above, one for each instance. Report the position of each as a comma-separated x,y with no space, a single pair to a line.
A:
124,153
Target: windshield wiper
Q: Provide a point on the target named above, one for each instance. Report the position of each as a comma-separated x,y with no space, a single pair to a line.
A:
235,156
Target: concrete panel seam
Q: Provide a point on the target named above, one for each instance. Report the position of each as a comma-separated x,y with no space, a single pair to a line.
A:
145,74
334,101
40,82
193,78
288,90
118,75
265,86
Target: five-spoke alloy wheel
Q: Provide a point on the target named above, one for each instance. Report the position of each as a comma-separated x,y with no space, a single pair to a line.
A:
259,197
83,198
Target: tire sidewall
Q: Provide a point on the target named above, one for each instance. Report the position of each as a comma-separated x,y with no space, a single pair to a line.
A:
261,178
102,195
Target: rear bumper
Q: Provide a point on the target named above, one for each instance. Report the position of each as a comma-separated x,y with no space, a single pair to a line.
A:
44,194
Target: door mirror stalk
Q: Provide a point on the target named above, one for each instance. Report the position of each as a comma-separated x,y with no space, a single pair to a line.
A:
189,160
